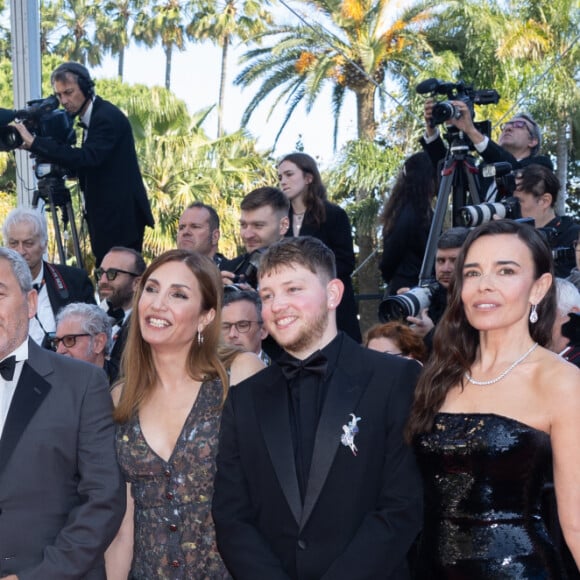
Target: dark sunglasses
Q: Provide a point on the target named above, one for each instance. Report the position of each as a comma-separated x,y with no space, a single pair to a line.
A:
111,273
69,340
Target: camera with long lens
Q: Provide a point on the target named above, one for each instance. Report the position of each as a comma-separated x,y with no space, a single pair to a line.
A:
475,215
560,254
445,110
42,118
410,303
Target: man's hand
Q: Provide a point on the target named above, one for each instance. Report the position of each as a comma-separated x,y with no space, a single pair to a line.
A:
465,122
428,115
421,326
26,135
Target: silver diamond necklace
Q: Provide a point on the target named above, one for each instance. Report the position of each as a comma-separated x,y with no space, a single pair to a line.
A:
504,373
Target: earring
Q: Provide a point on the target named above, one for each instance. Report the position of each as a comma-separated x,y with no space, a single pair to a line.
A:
199,338
534,314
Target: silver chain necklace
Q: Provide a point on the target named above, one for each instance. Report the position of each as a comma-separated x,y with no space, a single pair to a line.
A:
504,373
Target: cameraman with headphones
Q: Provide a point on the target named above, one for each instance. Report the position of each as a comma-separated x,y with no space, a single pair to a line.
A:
117,208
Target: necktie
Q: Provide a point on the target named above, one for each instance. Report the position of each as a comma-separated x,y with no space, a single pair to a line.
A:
7,368
83,126
315,364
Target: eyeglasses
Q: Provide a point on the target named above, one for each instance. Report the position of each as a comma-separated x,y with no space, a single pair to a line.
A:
241,326
111,273
69,340
516,125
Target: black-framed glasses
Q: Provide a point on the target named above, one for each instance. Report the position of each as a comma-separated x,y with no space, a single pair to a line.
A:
111,273
69,340
241,326
516,125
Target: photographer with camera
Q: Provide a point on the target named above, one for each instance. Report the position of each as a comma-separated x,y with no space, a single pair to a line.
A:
117,208
519,142
537,191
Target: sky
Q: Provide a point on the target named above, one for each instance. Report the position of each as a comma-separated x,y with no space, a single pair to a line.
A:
195,79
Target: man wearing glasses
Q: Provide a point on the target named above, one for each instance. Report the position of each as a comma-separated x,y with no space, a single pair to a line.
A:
117,278
242,324
519,142
57,285
83,331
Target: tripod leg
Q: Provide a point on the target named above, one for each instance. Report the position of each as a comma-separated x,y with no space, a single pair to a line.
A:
57,232
75,235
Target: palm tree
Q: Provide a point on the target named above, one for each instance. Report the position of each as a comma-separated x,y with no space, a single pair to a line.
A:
353,51
165,22
222,23
113,27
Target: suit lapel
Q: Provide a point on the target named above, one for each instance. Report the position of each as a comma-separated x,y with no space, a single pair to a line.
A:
343,394
28,396
273,415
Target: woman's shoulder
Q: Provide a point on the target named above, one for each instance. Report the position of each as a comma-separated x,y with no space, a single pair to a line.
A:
244,365
558,380
116,391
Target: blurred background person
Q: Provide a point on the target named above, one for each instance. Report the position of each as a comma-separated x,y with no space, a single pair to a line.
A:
406,219
83,331
568,307
168,410
242,324
492,408
311,214
24,230
395,338
537,191
199,231
575,273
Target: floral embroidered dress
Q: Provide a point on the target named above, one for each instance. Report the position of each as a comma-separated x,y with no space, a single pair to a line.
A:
174,531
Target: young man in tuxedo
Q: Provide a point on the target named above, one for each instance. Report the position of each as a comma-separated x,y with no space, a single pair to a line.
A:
117,208
314,480
62,496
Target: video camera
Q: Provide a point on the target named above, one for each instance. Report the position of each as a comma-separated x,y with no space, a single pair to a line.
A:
42,117
460,91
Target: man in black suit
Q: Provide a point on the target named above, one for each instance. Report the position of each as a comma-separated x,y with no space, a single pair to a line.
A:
117,208
24,230
314,480
62,496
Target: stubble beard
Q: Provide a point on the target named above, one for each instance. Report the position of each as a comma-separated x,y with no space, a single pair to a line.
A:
308,336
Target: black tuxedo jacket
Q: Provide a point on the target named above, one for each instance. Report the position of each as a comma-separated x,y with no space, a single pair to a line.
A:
65,285
62,496
336,233
115,198
360,513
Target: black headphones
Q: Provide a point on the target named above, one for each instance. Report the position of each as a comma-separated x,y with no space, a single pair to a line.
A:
84,80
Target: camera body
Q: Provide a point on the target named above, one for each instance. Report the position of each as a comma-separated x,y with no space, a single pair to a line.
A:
42,118
410,303
445,110
247,271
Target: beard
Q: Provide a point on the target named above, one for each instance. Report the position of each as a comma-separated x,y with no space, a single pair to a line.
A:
308,336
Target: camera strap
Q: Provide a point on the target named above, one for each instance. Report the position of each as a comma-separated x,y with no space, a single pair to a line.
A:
58,281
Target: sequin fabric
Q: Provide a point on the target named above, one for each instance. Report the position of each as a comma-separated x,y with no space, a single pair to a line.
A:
483,476
174,532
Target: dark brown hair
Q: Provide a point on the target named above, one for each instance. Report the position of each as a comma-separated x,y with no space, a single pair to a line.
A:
315,195
456,342
139,373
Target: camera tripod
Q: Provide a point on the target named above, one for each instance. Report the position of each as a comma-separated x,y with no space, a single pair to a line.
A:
57,197
458,182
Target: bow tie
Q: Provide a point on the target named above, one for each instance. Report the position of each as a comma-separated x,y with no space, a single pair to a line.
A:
117,314
7,368
315,364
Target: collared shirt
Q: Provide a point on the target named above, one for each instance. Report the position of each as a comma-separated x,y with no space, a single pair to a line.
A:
86,119
44,321
7,388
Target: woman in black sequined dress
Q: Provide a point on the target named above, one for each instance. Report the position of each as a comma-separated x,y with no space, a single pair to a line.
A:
493,411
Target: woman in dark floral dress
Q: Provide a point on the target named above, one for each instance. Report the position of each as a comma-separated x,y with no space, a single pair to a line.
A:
168,410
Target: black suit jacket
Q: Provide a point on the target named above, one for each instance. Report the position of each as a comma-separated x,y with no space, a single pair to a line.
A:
62,497
360,513
115,198
65,284
336,233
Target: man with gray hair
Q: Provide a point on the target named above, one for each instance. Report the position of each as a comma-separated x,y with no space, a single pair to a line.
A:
24,231
62,496
83,331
